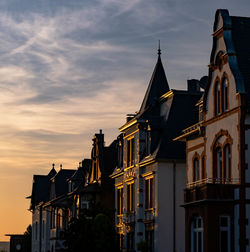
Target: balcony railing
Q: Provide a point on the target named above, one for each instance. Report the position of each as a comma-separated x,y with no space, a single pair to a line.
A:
191,128
212,189
213,181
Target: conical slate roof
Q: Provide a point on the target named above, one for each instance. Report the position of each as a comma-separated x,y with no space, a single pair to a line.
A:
158,86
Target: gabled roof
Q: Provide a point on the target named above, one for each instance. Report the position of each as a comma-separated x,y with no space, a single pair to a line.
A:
241,40
41,188
60,181
158,86
180,112
236,34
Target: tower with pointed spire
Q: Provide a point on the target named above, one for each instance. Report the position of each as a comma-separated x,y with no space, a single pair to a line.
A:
153,165
157,87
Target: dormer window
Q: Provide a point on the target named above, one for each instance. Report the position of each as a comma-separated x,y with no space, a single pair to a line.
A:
217,96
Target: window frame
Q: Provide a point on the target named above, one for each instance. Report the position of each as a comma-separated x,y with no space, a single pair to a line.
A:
228,229
225,94
130,151
130,197
218,170
195,230
120,195
196,168
217,97
227,162
149,192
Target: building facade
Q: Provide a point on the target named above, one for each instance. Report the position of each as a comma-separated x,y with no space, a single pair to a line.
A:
217,193
158,176
150,176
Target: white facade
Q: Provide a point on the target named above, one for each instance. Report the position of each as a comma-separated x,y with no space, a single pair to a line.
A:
167,214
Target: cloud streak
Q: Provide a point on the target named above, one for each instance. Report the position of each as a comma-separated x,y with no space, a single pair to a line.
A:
69,69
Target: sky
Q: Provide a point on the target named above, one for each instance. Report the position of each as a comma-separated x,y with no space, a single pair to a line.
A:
70,68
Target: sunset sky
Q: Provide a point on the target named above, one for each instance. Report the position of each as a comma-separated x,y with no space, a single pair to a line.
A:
71,67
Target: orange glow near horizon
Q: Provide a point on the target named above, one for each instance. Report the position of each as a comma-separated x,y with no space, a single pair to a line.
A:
30,144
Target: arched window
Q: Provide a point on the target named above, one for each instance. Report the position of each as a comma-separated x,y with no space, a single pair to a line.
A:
218,164
196,173
225,94
197,231
217,95
227,162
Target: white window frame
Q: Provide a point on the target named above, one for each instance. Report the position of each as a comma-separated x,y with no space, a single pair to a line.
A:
228,229
195,230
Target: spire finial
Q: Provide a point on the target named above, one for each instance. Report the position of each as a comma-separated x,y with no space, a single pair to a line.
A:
159,48
53,166
60,166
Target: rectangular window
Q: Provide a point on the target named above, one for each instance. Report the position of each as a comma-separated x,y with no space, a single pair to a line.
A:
225,234
119,200
149,193
130,198
130,152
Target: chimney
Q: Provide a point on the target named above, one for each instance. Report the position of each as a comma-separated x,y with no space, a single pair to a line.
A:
193,85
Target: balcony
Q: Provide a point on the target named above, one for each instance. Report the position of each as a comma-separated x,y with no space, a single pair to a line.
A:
210,189
212,181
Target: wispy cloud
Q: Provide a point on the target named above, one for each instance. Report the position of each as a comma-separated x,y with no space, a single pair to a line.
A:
68,69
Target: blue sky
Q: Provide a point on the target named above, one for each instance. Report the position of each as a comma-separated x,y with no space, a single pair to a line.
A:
69,68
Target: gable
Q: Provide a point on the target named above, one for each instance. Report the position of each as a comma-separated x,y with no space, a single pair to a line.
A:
223,65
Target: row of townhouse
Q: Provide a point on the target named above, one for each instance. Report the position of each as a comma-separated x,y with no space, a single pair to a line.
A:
177,175
59,196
